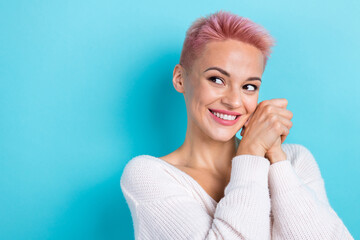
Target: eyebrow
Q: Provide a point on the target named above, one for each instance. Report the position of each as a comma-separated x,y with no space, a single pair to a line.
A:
228,74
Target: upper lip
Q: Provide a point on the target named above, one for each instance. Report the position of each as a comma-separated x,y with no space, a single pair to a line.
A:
225,112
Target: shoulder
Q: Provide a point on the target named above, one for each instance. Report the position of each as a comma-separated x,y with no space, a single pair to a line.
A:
140,168
138,162
302,160
146,178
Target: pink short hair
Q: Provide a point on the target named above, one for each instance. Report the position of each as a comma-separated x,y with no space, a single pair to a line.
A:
220,26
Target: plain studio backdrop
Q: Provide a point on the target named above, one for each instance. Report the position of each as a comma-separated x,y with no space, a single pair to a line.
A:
86,85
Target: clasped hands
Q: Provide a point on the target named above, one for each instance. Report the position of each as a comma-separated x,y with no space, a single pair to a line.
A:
266,129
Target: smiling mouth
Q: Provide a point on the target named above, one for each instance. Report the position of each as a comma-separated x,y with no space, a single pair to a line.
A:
236,116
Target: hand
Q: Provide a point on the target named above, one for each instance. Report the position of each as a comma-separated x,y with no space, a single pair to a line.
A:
275,153
266,129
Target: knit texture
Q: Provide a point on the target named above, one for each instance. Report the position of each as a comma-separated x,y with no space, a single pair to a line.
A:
284,200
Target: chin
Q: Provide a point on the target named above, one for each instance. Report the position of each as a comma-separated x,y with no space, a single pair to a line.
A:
222,136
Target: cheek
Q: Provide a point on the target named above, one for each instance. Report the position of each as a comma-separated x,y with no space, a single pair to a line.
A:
204,94
250,103
189,93
195,98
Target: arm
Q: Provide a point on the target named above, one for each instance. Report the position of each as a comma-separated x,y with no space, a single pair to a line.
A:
298,199
162,208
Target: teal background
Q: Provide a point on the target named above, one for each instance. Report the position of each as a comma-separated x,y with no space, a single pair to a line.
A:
86,85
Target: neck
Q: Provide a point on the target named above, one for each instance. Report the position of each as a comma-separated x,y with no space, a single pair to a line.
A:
199,151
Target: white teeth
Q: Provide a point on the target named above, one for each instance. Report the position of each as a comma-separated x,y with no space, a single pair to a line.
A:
224,116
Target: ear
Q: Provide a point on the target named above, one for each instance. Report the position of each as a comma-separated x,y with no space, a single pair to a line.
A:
179,78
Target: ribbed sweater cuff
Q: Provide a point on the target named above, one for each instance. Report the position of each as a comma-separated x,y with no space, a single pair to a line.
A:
248,169
282,177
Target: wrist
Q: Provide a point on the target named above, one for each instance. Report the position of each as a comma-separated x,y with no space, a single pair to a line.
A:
250,150
276,157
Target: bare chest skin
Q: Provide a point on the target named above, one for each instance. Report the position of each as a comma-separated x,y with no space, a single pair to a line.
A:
212,184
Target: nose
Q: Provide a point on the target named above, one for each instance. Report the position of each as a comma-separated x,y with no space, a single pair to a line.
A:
232,98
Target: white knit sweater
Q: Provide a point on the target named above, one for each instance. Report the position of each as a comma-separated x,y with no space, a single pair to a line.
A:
284,200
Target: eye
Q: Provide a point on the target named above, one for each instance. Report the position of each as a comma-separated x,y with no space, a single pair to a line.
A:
254,87
214,79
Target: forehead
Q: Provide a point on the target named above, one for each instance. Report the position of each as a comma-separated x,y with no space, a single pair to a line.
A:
232,55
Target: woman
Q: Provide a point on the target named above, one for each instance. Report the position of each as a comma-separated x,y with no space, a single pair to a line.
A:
216,186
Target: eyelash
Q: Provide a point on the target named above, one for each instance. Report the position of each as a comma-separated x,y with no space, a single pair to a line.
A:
213,78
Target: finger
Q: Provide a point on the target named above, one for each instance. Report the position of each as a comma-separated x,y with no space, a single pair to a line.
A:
284,133
247,121
283,112
279,102
251,115
285,122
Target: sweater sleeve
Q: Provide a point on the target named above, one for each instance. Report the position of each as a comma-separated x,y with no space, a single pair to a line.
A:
299,203
162,208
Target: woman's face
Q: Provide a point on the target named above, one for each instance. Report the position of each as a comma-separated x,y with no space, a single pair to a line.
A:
233,86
